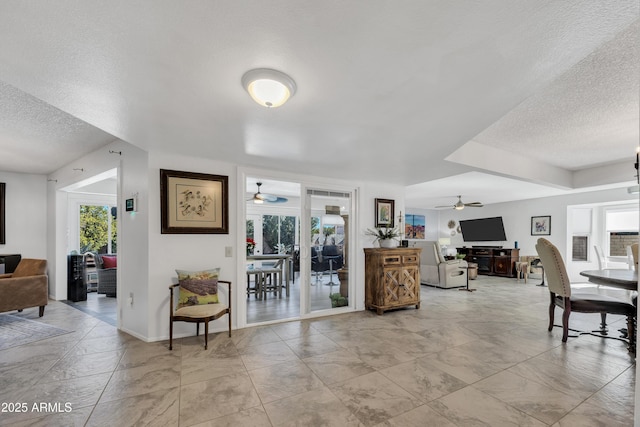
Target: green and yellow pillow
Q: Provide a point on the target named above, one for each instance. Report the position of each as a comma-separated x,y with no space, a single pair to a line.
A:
198,287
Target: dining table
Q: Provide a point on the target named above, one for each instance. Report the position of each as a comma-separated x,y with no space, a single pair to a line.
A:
616,278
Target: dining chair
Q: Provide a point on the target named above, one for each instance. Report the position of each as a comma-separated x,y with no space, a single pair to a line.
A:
634,256
561,295
602,261
198,302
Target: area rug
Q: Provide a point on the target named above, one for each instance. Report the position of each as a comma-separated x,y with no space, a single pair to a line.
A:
15,331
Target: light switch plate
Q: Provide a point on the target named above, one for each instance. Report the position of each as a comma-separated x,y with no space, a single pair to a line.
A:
228,251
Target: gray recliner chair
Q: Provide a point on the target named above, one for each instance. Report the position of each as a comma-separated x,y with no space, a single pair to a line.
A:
437,271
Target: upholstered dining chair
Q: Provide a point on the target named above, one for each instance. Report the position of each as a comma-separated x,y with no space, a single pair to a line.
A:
190,310
632,253
561,295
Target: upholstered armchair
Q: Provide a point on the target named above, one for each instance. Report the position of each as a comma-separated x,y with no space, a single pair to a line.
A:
437,271
107,269
27,286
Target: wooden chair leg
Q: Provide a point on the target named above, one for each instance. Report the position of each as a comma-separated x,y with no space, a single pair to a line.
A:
631,331
565,319
229,314
197,329
206,334
170,333
552,308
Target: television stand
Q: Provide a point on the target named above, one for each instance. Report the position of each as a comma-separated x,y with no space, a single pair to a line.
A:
492,260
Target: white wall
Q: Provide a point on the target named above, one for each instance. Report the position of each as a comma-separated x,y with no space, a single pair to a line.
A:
168,252
26,215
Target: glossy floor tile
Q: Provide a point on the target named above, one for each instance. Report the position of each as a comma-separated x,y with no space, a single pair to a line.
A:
463,359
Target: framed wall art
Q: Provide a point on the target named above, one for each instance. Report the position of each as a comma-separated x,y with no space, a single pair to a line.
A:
541,225
194,203
414,226
385,213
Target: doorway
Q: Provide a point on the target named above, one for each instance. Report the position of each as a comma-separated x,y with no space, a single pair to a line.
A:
296,264
92,243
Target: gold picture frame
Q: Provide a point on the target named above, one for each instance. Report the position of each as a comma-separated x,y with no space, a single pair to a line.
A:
194,203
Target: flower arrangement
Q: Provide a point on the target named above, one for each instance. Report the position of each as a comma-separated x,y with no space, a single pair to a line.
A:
251,244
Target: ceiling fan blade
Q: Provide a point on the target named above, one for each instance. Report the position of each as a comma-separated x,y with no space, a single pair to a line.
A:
278,200
266,197
474,204
446,206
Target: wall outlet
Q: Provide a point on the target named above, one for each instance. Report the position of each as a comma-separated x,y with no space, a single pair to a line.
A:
228,251
130,300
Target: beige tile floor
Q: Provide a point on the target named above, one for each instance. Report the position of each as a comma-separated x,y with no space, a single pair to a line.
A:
463,359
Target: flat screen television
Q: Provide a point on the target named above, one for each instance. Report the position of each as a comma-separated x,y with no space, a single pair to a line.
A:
483,230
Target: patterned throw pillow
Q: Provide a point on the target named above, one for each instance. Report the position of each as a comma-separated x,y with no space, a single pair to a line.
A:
198,287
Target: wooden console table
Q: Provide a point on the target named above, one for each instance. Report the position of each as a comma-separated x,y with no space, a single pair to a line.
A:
392,278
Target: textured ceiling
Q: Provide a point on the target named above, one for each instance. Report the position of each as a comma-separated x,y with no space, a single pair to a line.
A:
38,138
381,85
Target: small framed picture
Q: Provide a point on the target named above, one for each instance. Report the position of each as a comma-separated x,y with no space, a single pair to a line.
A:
384,213
541,225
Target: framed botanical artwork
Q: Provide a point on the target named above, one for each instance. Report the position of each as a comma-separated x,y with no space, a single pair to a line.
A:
194,203
384,212
541,225
3,237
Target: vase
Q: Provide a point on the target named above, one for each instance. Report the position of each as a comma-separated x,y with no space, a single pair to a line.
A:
387,243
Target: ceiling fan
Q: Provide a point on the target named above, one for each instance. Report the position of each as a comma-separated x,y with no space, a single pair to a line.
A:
263,197
460,205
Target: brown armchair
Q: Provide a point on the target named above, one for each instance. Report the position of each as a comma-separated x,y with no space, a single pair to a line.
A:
27,286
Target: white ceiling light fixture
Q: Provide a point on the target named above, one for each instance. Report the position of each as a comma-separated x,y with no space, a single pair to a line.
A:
269,88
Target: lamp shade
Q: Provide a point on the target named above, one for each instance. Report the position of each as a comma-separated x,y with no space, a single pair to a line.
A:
444,241
269,88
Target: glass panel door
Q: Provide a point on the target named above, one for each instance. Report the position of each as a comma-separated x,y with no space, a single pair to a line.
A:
328,280
272,233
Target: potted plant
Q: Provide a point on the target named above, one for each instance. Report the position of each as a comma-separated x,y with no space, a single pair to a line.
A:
384,236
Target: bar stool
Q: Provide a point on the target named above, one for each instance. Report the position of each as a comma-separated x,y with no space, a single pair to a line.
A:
272,279
257,282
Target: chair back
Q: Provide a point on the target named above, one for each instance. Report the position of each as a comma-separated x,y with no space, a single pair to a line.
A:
429,253
554,268
30,267
439,255
602,263
634,255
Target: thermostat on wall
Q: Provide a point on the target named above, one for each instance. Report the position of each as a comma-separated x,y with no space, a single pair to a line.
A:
130,205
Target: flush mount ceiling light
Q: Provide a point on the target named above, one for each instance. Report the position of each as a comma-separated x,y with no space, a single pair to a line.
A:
269,88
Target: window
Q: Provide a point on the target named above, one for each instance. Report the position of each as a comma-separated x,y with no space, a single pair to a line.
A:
278,234
621,230
580,248
98,229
